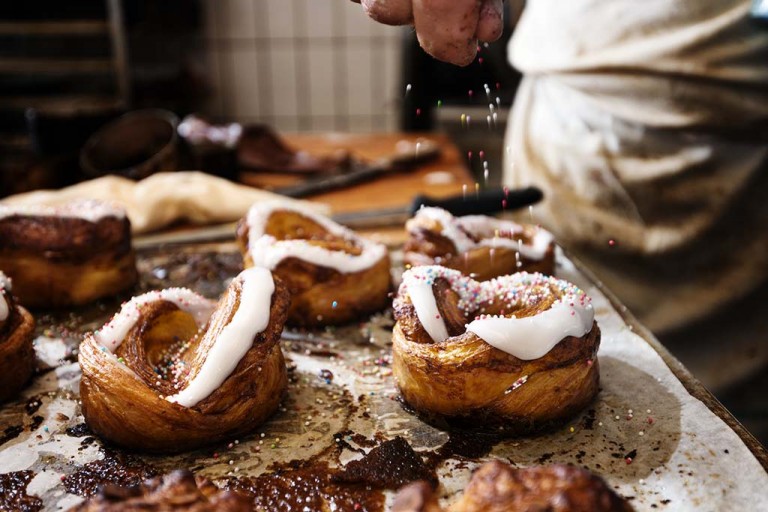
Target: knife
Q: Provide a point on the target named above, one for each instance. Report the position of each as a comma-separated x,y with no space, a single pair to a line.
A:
485,202
478,203
409,155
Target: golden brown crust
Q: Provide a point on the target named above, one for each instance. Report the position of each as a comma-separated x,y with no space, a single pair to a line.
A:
17,356
64,238
66,261
498,487
177,491
427,246
320,295
122,402
467,380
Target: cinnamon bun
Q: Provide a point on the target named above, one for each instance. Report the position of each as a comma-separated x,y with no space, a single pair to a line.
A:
17,357
173,371
66,255
334,275
518,352
498,487
477,245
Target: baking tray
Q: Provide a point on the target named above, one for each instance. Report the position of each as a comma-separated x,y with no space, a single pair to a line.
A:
342,439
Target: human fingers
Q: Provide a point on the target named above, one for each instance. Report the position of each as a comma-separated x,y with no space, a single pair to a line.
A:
389,12
490,24
446,28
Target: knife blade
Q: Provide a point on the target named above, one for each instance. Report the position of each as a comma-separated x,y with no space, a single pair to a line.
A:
485,202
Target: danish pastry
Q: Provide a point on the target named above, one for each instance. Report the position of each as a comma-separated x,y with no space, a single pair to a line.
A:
17,357
66,255
173,371
498,487
334,275
518,351
477,245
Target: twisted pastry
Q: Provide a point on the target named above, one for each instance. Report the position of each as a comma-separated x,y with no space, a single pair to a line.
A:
334,275
498,487
177,491
17,357
480,246
66,255
518,351
172,372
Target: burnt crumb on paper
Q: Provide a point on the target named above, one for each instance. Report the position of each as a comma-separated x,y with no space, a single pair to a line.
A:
13,492
115,468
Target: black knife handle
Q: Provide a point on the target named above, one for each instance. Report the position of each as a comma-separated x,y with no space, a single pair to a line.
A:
484,202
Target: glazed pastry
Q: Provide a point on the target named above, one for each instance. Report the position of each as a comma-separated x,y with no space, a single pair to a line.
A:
17,357
177,491
518,351
334,276
173,371
480,246
498,487
66,255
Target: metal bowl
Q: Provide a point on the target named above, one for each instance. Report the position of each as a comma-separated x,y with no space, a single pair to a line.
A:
135,145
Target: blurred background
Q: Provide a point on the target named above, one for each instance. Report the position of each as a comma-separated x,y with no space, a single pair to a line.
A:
67,68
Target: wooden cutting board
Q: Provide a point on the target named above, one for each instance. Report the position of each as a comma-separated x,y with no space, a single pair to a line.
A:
443,177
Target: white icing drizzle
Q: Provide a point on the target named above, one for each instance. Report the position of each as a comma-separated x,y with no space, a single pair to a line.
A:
459,229
534,336
5,287
526,338
234,341
267,251
92,210
112,335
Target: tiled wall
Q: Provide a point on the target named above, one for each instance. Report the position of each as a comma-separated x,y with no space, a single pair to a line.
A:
303,65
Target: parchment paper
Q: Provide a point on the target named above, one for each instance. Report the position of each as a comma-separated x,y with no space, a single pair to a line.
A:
645,434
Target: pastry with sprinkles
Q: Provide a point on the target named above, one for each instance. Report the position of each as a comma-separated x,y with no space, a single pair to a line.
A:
17,357
173,371
517,353
68,255
334,275
479,246
498,487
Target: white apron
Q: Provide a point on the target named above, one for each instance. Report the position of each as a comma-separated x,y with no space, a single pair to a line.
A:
640,121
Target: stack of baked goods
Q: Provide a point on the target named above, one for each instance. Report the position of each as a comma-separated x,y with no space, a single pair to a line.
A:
334,275
477,245
17,328
173,371
66,255
518,351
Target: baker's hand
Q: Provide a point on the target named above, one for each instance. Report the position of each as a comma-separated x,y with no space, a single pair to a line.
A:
447,29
